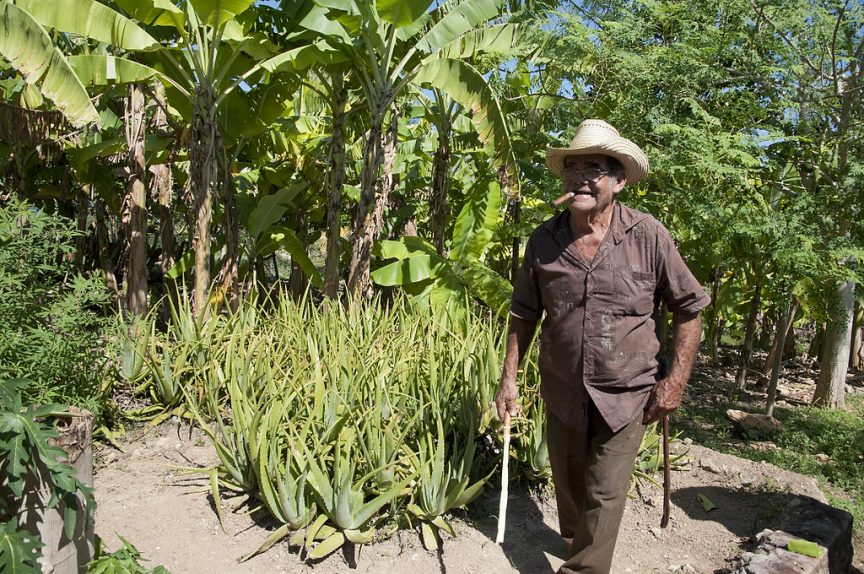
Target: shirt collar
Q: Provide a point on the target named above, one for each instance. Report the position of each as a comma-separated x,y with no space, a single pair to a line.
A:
623,220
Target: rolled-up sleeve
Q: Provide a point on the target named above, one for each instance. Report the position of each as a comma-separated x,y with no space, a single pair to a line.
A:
676,284
527,303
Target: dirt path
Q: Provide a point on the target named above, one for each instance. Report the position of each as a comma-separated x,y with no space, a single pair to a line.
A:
169,517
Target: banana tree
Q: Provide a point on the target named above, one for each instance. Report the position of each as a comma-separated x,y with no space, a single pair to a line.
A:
446,283
399,43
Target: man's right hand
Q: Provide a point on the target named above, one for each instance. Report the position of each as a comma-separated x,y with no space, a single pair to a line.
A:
505,399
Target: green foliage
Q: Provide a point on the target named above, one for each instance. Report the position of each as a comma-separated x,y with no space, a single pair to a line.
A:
20,550
126,560
28,458
50,315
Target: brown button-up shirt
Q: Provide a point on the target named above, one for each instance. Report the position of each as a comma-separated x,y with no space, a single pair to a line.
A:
598,336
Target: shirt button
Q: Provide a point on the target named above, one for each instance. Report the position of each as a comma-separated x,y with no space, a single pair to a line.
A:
587,316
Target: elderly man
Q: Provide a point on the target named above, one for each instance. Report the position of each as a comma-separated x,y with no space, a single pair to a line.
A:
594,274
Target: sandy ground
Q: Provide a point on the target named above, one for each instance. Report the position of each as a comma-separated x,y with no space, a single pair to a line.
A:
169,517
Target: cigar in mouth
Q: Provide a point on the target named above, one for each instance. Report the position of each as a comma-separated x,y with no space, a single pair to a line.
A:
564,197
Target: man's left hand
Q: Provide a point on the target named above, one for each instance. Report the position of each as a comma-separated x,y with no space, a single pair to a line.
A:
665,397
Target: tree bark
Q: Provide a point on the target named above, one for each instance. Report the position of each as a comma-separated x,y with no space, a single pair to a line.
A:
713,322
81,240
359,284
228,286
855,355
105,251
336,180
162,185
830,386
136,203
440,189
786,324
388,181
747,346
298,283
783,326
204,179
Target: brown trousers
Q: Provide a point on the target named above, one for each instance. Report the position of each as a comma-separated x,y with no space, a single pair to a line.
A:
591,472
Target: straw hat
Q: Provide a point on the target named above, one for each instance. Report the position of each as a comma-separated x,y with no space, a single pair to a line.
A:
598,137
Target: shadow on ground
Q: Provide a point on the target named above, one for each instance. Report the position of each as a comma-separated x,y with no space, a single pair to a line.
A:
528,541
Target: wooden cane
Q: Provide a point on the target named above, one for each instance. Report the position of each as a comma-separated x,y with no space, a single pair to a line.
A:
502,504
667,480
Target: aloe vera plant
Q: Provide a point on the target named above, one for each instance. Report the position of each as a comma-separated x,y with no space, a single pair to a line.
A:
342,497
337,420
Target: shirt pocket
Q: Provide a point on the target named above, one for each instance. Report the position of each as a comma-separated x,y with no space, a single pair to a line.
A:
634,292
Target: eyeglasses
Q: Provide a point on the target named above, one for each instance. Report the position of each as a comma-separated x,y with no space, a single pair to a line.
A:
592,174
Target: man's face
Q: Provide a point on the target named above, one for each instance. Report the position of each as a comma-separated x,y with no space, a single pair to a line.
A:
587,177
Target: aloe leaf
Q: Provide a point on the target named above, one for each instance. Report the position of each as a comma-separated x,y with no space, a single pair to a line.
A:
805,547
327,546
217,499
312,530
707,505
274,537
430,536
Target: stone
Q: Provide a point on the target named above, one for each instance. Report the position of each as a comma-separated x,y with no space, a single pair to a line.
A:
657,532
711,466
755,425
746,479
823,458
807,519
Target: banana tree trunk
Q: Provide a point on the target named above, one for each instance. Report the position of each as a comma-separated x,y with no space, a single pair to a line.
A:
162,187
747,346
136,276
228,285
388,181
359,283
81,240
830,386
204,177
440,189
336,180
103,241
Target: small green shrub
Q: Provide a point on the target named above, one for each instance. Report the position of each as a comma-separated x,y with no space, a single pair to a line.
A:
126,560
50,315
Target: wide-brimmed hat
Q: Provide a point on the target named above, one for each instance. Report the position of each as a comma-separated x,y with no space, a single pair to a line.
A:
598,137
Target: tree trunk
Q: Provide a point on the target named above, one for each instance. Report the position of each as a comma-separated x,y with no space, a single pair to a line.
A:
388,181
104,250
835,356
783,326
359,284
747,346
855,358
440,189
298,283
204,178
815,349
162,187
136,203
228,286
81,240
785,323
713,320
336,180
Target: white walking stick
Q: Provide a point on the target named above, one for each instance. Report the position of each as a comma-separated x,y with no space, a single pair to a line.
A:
502,504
